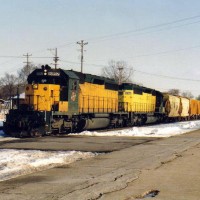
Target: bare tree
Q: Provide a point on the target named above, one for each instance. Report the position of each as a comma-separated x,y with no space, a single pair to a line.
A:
119,71
8,86
24,72
174,91
198,97
187,94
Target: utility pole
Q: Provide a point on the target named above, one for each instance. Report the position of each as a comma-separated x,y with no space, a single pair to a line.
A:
82,44
120,68
55,58
27,59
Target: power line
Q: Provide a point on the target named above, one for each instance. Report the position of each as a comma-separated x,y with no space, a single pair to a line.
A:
7,61
147,28
7,56
142,32
73,62
122,33
11,57
142,72
162,52
168,77
109,36
166,52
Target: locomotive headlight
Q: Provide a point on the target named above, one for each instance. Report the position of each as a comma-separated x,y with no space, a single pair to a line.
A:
45,72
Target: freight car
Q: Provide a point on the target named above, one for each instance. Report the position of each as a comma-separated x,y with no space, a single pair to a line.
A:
179,108
172,107
194,110
64,101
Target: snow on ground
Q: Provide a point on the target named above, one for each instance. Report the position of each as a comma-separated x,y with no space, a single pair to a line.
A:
4,137
160,130
15,163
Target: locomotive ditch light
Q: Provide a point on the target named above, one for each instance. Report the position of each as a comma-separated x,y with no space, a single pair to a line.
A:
35,86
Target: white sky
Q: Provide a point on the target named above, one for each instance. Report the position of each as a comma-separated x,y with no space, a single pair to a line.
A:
157,37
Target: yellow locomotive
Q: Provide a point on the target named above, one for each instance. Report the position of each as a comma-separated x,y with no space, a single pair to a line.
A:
63,101
58,101
143,104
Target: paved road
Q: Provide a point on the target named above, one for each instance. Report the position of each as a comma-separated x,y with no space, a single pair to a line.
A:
78,143
132,168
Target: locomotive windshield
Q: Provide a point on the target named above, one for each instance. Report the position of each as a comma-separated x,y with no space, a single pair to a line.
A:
44,80
49,76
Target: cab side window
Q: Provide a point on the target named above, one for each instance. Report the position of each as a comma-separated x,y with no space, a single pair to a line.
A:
74,85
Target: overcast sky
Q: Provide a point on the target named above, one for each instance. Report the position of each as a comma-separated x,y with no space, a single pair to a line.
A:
159,39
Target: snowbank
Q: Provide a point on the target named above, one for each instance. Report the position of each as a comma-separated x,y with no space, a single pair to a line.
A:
4,137
160,130
15,163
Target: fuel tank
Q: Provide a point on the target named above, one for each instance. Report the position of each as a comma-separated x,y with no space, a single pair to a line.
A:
151,119
94,123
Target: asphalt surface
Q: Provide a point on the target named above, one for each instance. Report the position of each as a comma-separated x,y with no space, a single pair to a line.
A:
127,169
77,143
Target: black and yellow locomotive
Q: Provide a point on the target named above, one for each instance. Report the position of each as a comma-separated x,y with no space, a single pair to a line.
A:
63,101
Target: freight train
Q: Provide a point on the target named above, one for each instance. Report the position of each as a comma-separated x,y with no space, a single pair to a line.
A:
63,101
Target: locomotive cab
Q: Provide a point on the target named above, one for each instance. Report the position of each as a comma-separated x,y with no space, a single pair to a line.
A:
49,94
53,90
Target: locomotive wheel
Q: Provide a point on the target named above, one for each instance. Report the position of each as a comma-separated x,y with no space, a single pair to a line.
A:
37,132
34,132
63,130
139,122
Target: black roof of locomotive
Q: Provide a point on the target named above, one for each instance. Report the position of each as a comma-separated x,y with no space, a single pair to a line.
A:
90,78
71,74
82,77
138,89
100,80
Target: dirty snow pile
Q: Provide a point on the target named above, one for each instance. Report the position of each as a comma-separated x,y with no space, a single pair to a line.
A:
15,163
4,137
160,130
